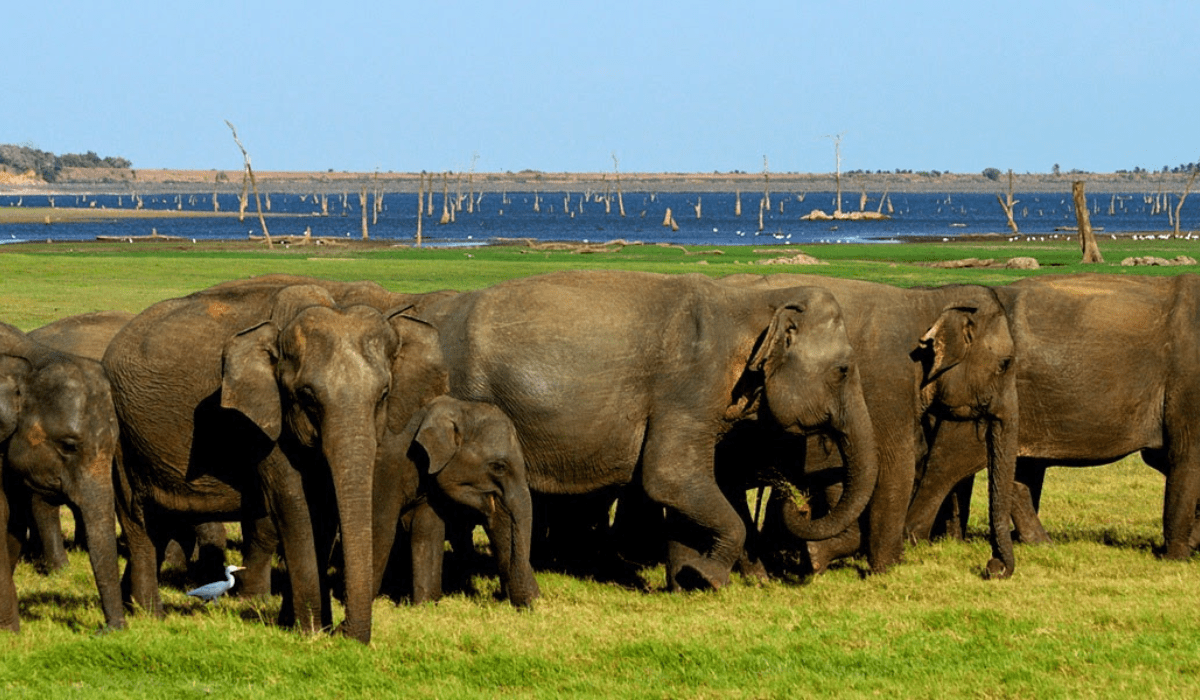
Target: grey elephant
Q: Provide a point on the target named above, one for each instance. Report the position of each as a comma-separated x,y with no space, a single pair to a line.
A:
612,377
88,335
439,460
927,356
1107,369
455,462
254,400
58,438
289,393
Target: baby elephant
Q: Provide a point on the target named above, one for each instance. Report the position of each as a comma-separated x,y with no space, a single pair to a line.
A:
454,461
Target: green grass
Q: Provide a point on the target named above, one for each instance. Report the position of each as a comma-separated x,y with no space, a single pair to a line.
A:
1096,615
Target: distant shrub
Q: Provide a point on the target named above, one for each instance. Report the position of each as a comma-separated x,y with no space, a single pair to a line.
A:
47,165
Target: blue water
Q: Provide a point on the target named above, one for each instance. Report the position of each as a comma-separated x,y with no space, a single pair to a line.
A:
584,219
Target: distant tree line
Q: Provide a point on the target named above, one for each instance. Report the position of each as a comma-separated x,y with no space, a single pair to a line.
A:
48,166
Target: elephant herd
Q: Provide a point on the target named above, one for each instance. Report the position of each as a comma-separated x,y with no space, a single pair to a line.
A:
357,430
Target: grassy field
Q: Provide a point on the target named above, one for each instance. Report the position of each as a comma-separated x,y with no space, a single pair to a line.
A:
1096,615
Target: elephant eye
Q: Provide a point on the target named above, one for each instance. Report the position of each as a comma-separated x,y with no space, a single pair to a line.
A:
306,396
69,445
1005,364
498,468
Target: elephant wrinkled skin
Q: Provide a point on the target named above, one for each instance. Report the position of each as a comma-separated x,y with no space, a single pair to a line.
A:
613,376
58,438
252,399
1108,367
926,355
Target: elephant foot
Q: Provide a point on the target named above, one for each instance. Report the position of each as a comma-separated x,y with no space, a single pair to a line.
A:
752,568
815,557
701,574
1177,551
996,569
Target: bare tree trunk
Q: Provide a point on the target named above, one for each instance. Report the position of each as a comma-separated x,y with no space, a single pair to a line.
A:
445,200
1186,191
1008,203
667,218
254,185
362,205
1087,241
245,196
620,199
471,185
737,204
697,205
216,204
762,205
420,205
766,185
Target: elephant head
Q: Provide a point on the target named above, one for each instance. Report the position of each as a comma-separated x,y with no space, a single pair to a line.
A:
811,383
474,459
315,378
967,374
58,439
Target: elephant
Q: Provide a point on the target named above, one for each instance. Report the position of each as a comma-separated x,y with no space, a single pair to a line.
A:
1108,367
455,461
927,356
256,399
613,377
86,335
440,459
58,439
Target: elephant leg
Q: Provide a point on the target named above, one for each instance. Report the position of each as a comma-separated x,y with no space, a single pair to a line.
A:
1179,503
428,553
952,516
141,571
286,502
259,542
638,528
49,532
1026,523
889,506
9,617
677,471
209,560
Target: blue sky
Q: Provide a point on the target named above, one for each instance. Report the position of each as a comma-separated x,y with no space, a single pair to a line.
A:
562,86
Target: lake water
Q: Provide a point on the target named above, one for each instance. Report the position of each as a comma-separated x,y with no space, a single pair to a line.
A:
578,217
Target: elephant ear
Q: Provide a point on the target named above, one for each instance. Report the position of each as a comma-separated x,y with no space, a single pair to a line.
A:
248,377
439,434
14,371
419,372
779,336
946,342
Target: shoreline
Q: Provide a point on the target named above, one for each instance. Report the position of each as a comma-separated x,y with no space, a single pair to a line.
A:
79,181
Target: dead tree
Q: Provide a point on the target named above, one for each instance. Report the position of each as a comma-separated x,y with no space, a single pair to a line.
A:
1008,203
253,184
420,204
620,199
1087,240
1186,191
362,205
837,173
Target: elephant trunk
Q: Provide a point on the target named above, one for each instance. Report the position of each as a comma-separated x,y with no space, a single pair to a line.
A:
9,617
1002,446
855,438
100,530
510,529
351,460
